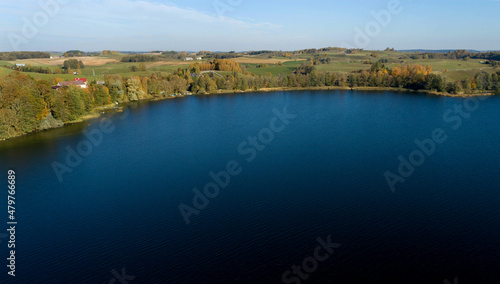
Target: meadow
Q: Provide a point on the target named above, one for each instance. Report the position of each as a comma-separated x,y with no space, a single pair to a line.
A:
96,67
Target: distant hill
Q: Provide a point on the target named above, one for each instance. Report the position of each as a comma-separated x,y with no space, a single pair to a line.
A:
440,50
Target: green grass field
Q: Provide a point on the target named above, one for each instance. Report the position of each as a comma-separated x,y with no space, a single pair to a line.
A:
343,67
452,70
287,68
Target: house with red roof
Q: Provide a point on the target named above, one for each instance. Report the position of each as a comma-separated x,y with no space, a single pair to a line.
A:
79,82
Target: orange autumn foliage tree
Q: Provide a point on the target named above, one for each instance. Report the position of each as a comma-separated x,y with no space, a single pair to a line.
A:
218,65
409,71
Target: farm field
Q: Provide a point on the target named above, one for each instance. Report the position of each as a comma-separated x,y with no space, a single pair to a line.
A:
97,67
287,68
260,60
88,60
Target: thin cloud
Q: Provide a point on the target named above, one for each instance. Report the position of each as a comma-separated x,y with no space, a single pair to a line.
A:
130,25
144,12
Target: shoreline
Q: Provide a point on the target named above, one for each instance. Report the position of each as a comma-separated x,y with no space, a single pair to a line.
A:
335,88
97,112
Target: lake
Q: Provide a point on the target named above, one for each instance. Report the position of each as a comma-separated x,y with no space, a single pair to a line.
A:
283,187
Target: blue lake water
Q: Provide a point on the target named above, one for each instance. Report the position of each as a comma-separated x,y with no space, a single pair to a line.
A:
317,175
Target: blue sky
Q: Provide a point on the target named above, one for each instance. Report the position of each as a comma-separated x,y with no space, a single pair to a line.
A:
224,25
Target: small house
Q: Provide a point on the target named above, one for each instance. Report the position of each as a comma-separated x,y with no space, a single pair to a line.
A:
81,84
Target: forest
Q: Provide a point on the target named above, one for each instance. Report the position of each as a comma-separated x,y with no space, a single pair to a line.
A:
23,55
459,54
28,104
140,58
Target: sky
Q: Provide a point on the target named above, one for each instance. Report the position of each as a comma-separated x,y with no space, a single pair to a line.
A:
243,25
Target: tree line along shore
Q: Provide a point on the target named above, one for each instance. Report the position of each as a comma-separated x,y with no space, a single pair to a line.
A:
29,104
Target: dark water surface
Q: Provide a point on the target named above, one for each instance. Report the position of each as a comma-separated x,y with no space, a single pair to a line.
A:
320,176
